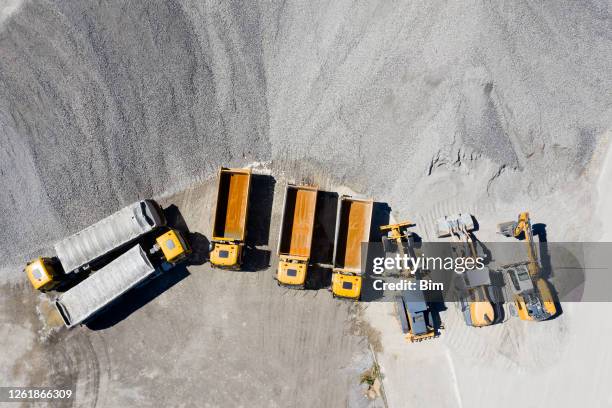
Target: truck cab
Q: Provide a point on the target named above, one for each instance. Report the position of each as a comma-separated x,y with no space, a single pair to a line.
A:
173,246
346,286
43,274
226,254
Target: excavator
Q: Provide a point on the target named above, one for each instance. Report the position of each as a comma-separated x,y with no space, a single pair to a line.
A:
415,315
532,294
477,306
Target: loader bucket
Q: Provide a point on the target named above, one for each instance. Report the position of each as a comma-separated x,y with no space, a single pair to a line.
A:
506,228
448,223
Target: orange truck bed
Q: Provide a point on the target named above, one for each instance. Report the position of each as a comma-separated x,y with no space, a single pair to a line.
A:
352,228
298,221
232,204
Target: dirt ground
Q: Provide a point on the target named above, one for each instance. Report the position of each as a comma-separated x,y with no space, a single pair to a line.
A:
198,336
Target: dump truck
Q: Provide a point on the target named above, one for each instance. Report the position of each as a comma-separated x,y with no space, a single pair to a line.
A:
229,225
295,237
77,252
532,294
412,308
353,222
475,287
83,301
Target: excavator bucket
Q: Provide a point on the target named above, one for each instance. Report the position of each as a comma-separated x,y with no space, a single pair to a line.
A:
447,224
506,228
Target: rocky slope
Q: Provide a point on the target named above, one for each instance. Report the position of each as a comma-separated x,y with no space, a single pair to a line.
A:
103,103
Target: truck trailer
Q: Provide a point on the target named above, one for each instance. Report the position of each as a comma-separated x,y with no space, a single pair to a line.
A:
83,301
295,237
229,225
352,229
77,252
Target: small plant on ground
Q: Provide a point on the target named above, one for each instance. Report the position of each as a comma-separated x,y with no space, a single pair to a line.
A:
370,375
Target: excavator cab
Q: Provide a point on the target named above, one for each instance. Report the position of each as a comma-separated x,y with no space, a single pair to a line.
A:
42,274
530,308
532,302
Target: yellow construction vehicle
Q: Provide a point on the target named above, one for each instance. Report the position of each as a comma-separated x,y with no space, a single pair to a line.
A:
295,237
173,246
45,273
532,294
474,284
352,229
129,270
413,311
229,226
78,252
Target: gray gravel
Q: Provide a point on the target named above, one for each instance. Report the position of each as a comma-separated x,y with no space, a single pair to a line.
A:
104,103
428,106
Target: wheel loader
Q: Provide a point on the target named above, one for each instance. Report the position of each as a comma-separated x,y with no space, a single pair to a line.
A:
474,285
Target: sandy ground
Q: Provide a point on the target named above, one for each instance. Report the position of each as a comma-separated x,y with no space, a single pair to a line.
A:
431,108
511,363
103,104
198,336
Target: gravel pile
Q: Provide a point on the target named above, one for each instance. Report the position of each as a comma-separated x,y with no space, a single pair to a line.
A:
105,103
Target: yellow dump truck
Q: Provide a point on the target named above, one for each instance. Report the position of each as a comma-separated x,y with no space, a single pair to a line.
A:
295,238
229,226
79,251
352,229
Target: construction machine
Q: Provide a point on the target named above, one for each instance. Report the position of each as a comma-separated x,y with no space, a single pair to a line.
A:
531,292
352,229
229,225
78,252
81,302
295,237
474,285
414,312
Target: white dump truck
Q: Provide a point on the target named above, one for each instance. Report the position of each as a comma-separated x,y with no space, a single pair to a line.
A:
132,268
78,251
